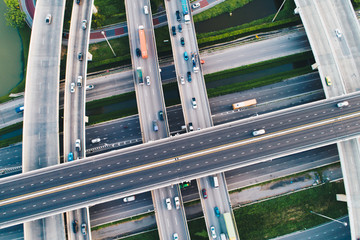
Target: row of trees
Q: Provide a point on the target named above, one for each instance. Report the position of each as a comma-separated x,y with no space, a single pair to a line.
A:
14,16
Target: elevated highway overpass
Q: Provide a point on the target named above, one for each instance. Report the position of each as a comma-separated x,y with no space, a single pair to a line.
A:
140,168
334,35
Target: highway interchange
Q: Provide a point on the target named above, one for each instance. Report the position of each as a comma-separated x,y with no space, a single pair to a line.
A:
330,122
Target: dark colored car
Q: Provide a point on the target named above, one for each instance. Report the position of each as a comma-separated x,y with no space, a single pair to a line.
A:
217,211
204,193
189,76
173,28
178,17
180,28
182,41
138,52
80,56
75,226
78,2
161,115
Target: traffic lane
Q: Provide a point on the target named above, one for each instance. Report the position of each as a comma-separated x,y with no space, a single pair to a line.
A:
235,179
291,87
329,230
14,232
234,115
11,156
206,164
228,134
118,209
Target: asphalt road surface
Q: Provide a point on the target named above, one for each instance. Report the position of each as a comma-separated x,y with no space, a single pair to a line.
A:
288,131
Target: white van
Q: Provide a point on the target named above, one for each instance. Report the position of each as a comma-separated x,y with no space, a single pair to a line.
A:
129,199
146,10
258,132
223,236
216,182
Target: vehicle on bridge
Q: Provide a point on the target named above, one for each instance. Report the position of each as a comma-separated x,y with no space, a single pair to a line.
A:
19,109
185,11
139,75
70,157
142,42
229,226
244,104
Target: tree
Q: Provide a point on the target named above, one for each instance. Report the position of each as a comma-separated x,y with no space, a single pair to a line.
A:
14,16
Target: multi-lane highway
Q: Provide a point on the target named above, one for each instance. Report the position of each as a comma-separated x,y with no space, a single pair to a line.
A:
166,161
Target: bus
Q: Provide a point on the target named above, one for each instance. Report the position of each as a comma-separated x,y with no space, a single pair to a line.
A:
139,75
142,42
229,226
185,11
244,104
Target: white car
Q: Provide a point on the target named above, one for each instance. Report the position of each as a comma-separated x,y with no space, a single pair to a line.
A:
213,233
338,33
342,104
89,87
83,25
72,87
77,145
147,80
177,202
258,132
176,236
196,5
79,81
193,103
95,140
146,10
168,203
182,80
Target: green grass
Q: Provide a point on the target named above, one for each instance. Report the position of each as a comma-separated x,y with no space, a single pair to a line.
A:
284,19
224,7
123,221
103,57
290,213
109,12
9,141
356,4
25,34
197,229
157,5
11,128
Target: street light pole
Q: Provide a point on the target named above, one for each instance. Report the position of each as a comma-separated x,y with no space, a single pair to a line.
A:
278,10
103,33
343,223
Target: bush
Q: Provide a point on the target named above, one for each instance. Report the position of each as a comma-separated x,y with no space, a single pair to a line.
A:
14,16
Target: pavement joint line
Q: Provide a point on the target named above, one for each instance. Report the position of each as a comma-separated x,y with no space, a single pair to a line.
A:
172,160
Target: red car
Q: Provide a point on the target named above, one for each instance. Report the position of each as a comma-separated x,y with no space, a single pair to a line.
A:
204,193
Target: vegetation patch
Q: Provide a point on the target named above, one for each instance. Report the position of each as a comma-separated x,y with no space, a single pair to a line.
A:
290,213
285,18
109,12
139,217
197,229
9,141
224,7
356,4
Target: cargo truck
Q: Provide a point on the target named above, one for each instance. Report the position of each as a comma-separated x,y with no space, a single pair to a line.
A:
244,104
142,42
229,226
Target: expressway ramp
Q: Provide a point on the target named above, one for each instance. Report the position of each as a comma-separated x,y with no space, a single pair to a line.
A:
334,35
41,117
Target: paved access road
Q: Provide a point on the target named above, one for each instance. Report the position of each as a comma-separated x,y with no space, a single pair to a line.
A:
328,231
140,168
